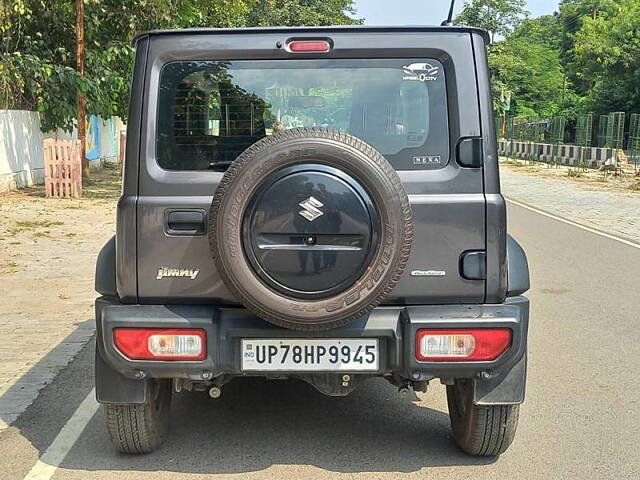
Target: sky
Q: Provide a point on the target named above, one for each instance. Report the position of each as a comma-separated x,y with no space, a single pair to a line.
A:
426,12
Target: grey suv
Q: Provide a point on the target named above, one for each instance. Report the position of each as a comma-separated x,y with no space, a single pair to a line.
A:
312,203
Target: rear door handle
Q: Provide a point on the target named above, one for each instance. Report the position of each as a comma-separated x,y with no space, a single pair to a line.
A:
185,222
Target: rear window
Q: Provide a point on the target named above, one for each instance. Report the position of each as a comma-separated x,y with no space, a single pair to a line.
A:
211,111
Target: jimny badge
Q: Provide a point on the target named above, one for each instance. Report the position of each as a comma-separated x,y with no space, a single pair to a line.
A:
164,272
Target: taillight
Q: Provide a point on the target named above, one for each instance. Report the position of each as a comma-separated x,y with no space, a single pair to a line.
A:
462,345
161,344
309,46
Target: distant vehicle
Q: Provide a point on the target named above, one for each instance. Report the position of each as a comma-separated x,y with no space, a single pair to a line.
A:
314,203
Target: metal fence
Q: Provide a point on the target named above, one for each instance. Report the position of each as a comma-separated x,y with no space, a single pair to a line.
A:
612,137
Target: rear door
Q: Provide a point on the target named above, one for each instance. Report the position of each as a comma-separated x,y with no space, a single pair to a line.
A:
411,93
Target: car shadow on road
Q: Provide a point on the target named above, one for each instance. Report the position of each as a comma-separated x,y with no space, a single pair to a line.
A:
258,423
25,389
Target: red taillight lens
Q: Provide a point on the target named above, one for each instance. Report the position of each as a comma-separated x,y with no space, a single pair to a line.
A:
161,344
309,46
462,345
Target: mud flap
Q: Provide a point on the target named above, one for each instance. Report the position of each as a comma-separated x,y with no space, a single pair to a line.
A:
505,389
105,279
114,388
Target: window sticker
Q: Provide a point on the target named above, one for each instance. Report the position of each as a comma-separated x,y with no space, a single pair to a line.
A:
420,72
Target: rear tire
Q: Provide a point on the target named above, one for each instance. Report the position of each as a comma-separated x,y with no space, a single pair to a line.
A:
141,428
480,430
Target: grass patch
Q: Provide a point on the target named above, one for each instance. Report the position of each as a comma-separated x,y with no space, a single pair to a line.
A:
28,225
11,267
37,235
574,173
635,186
31,225
513,163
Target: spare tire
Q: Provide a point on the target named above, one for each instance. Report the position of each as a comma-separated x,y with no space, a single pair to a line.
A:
310,228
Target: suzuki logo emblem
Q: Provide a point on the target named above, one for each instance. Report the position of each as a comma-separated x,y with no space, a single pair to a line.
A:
311,209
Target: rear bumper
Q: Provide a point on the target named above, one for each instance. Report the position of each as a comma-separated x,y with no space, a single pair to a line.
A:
497,382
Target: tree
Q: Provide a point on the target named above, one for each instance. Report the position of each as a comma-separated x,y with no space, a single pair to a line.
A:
528,63
571,18
296,12
532,72
498,17
606,55
37,45
582,59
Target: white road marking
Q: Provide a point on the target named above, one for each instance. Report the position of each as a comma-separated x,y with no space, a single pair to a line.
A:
575,224
53,456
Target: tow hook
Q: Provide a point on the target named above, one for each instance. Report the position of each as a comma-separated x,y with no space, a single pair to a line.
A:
404,392
215,392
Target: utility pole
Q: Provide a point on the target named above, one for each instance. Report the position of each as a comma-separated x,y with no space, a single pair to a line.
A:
82,130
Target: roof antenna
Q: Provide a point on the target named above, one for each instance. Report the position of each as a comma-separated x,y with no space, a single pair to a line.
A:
449,21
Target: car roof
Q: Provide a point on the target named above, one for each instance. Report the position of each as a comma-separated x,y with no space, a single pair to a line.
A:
339,28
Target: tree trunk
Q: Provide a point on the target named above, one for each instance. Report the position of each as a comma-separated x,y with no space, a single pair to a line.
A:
82,130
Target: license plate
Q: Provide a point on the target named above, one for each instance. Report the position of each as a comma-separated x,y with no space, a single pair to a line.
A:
310,355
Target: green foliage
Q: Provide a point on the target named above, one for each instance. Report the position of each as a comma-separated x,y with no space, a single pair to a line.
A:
498,17
582,59
545,30
36,66
305,12
572,14
607,55
37,45
527,65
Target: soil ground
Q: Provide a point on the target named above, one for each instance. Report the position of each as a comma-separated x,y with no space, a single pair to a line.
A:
48,248
586,178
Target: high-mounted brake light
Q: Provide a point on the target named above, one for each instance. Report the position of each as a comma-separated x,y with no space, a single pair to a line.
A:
462,345
309,46
161,344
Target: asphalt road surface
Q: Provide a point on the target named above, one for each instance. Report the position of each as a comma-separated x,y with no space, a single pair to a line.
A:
581,418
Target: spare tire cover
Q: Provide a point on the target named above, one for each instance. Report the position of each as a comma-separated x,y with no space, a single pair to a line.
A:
310,228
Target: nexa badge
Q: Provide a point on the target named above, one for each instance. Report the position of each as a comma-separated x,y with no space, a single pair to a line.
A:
164,272
427,160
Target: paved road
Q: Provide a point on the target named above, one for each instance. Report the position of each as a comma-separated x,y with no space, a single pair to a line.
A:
610,211
48,248
581,418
